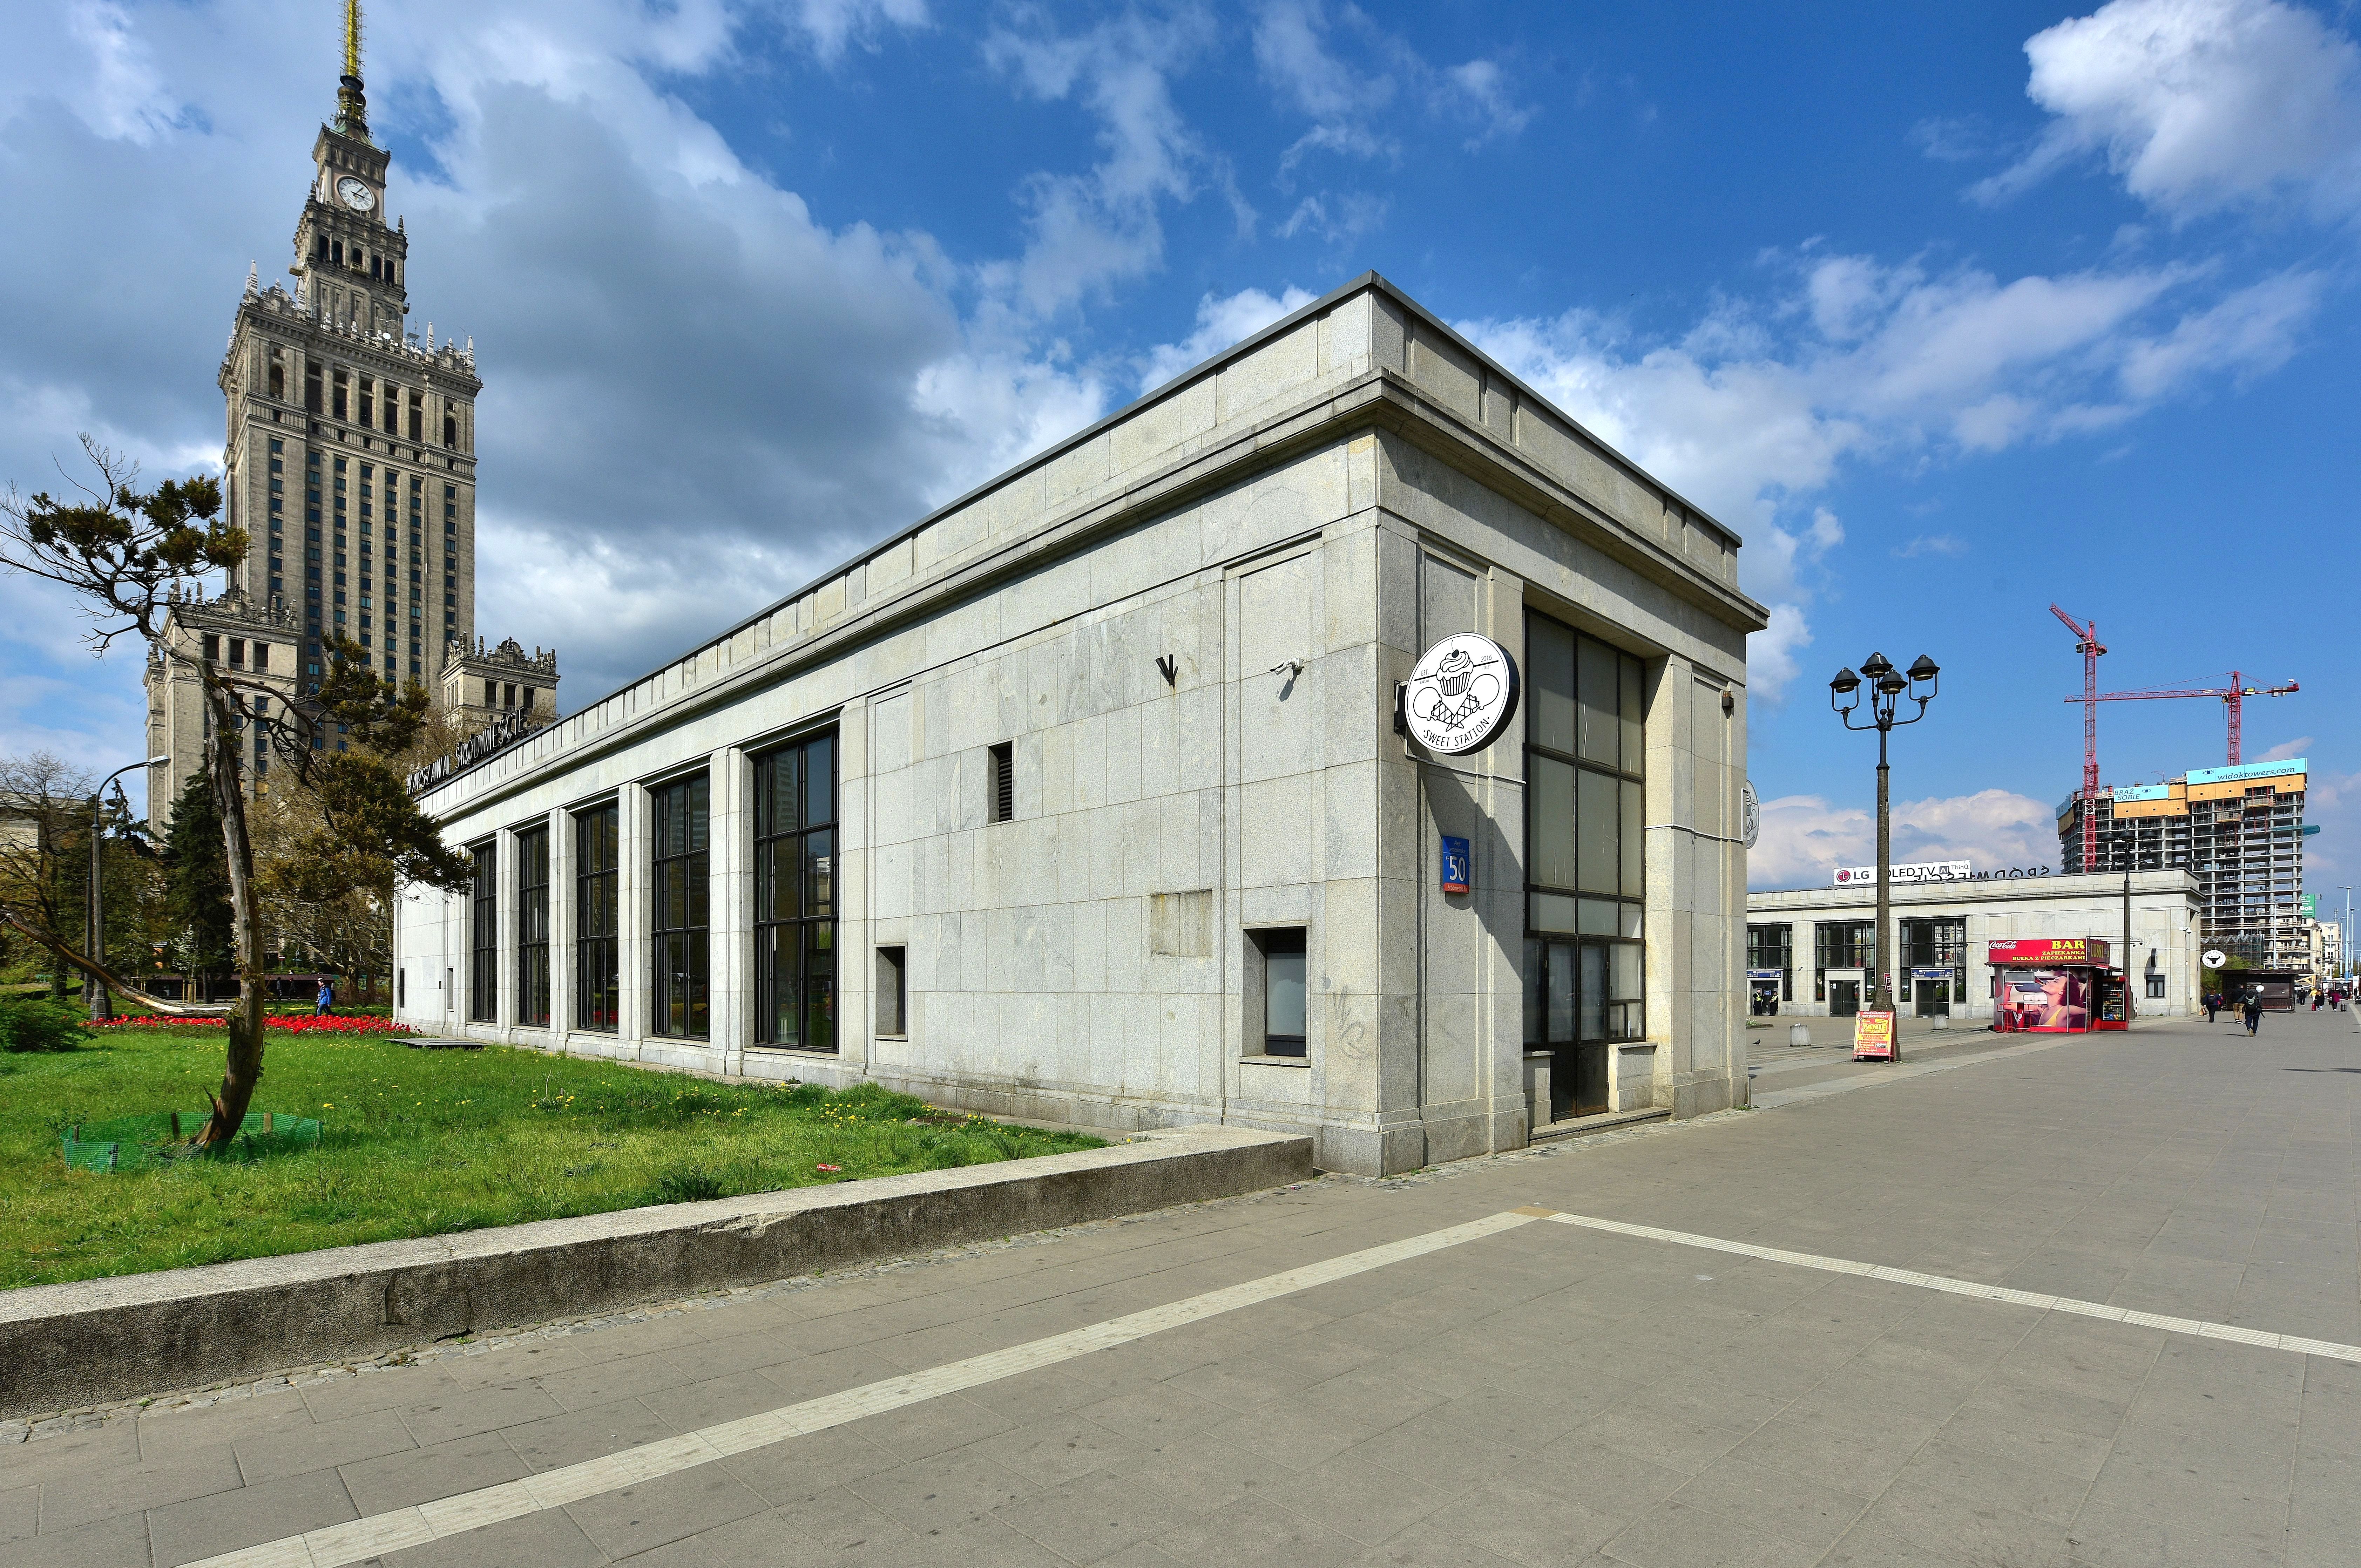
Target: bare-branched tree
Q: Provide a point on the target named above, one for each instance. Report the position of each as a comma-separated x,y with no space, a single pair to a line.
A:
126,553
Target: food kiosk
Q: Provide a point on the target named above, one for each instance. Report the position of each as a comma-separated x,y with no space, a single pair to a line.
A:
2055,985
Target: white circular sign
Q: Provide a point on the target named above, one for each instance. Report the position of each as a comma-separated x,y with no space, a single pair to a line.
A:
2215,958
1750,815
1461,693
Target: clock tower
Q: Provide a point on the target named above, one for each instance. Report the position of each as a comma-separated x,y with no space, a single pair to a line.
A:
349,460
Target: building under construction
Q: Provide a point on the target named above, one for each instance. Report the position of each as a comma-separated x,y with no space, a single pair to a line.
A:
2240,830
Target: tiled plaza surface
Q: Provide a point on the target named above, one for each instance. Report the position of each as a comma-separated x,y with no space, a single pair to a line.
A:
1550,1395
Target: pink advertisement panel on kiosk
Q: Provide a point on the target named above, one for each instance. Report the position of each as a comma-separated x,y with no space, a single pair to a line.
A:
2045,985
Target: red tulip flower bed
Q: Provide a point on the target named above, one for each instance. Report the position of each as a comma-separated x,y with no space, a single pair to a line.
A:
292,1022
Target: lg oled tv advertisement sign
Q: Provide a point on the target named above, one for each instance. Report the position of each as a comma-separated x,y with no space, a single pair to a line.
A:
1920,870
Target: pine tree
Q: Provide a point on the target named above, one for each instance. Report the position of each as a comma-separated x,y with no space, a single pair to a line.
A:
196,882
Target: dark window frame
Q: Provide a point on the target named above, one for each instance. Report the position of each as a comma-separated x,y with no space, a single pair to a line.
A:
680,908
1586,978
484,936
1003,769
798,803
532,927
598,910
1285,949
893,991
1764,953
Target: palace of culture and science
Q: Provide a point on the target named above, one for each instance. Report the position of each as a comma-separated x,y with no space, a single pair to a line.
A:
350,460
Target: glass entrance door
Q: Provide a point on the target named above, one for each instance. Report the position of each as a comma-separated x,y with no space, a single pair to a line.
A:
1934,997
1844,998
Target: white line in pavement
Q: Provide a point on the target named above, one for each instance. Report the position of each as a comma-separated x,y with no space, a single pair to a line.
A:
1944,1283
362,1539
1902,1072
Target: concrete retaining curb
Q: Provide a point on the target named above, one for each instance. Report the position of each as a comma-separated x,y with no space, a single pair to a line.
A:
100,1340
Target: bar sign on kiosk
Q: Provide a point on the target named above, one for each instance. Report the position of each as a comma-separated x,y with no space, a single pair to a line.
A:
1455,864
1873,1038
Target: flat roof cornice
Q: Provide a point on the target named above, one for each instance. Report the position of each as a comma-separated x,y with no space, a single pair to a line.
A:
1381,398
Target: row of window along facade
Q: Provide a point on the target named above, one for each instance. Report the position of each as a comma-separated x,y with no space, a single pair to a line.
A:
1853,945
794,910
1584,967
355,566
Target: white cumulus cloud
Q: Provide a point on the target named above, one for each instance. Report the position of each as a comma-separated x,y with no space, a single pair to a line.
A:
1805,838
2199,105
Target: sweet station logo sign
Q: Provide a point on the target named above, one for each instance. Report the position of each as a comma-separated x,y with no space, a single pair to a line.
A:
1461,694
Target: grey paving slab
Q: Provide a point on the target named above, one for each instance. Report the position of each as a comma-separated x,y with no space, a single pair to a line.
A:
202,1527
421,1475
1539,1397
117,1543
295,1448
649,1514
547,1540
94,1494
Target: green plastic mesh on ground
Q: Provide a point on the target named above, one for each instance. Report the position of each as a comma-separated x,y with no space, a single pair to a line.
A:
137,1143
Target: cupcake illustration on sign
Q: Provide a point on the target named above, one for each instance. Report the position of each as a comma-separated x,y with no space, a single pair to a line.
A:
1460,694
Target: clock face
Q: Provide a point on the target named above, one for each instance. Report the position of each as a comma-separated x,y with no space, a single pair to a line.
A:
354,194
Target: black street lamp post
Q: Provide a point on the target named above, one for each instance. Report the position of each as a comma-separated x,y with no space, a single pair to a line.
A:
1887,686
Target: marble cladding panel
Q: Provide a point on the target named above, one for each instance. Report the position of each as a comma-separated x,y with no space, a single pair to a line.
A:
1277,369
1445,372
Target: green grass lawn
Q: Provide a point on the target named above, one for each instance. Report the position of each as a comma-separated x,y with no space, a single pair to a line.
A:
417,1142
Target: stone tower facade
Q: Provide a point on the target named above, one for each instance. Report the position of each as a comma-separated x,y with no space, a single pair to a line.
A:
349,457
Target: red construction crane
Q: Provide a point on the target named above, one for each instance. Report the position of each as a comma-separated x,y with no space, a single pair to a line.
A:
2233,696
2087,643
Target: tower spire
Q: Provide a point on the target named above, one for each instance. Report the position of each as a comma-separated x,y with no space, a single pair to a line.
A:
352,108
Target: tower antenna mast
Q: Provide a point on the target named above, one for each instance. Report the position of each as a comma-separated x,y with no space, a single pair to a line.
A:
352,109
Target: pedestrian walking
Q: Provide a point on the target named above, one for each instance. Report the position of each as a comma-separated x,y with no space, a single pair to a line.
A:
2254,1012
326,1005
2212,1004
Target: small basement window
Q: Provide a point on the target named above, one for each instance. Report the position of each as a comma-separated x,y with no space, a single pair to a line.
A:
1004,782
893,993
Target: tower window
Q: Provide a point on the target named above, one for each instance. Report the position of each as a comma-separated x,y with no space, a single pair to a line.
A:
491,693
277,379
312,385
450,429
368,400
337,251
377,267
343,393
1004,782
320,247
417,415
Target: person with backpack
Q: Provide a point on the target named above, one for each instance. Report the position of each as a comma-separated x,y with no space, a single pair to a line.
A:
326,1006
2254,1011
2212,1004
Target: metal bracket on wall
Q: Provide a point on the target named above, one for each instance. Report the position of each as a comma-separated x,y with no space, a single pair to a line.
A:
1168,666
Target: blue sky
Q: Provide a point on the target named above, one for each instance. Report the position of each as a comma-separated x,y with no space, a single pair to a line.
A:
1952,311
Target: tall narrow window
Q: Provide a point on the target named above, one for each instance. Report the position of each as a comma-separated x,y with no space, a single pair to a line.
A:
679,818
1585,862
417,415
484,966
795,896
343,390
532,929
277,379
598,859
312,385
1283,1010
892,994
1004,782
